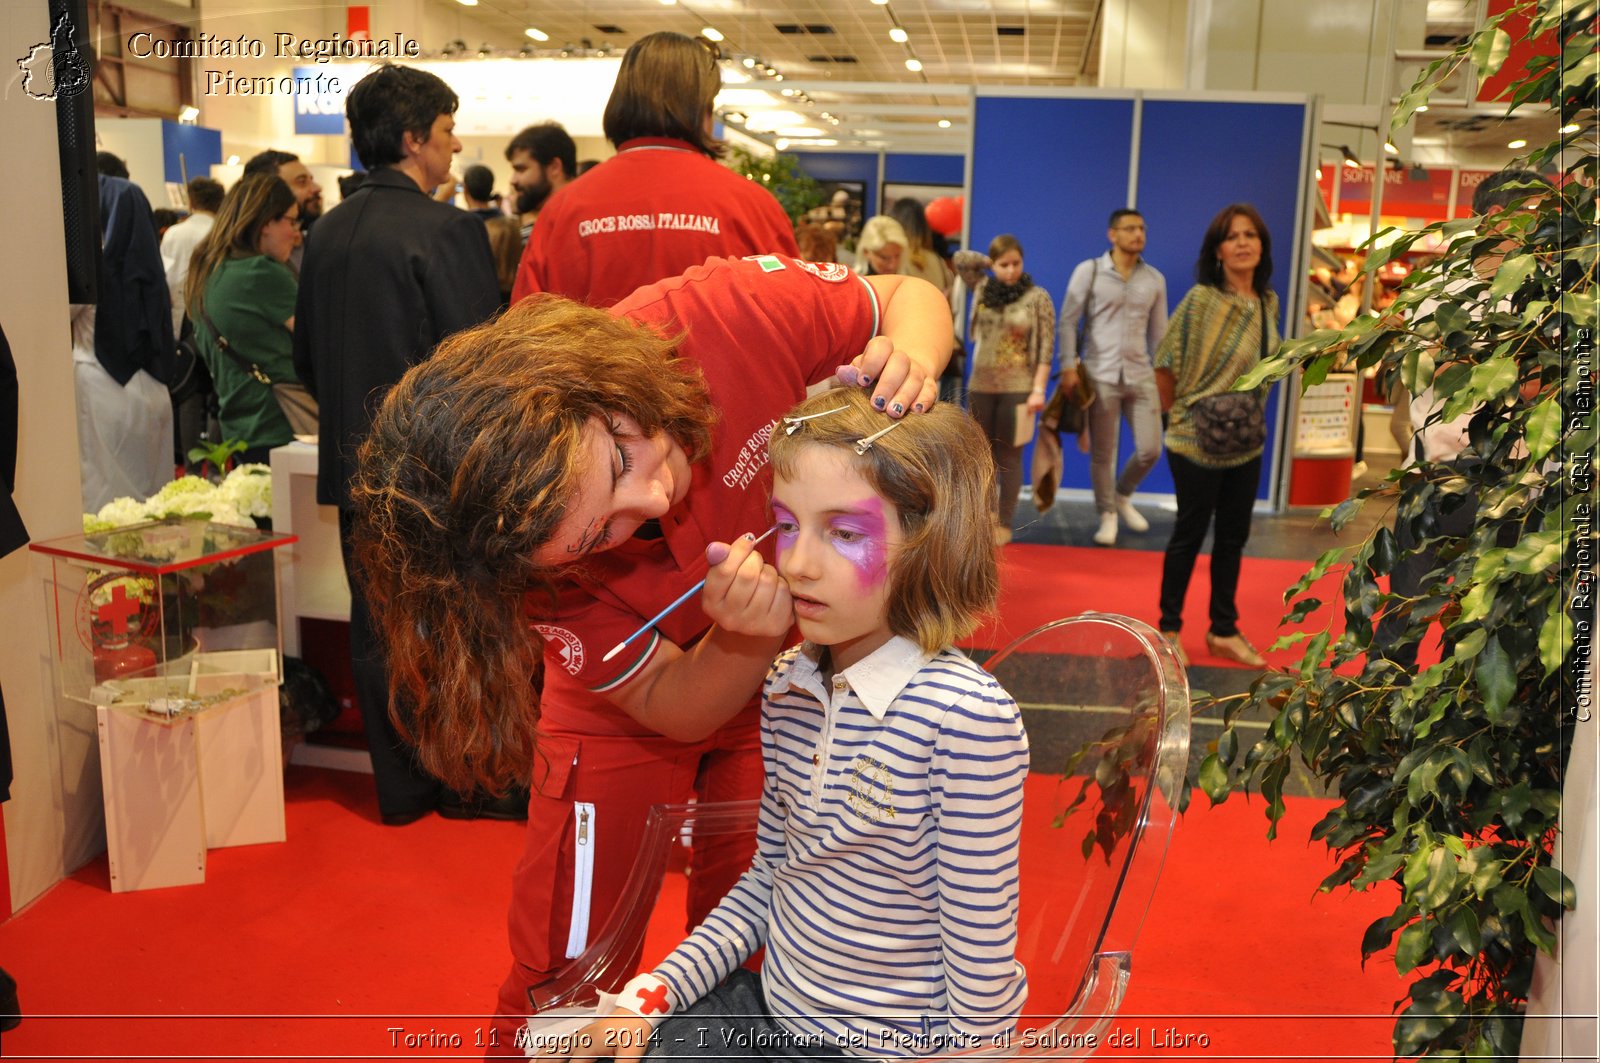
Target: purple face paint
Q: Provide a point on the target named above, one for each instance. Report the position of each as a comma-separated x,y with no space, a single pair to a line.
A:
860,539
788,528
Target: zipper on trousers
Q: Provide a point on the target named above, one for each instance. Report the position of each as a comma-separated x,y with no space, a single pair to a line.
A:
582,878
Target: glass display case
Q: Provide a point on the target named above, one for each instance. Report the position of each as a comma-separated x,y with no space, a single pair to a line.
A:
158,615
170,630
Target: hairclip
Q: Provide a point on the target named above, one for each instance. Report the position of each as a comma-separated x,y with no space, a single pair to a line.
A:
864,445
792,424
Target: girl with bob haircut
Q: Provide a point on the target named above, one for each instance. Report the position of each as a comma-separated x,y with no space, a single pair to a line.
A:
666,87
884,884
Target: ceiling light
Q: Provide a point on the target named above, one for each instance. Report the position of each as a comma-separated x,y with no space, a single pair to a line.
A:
537,34
467,3
1350,159
188,114
913,65
711,33
1388,145
483,51
233,160
777,76
800,131
1319,173
749,62
1570,127
780,144
788,92
1518,143
668,3
944,123
898,35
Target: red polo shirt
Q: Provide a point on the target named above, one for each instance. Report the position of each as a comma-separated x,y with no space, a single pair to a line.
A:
651,211
762,331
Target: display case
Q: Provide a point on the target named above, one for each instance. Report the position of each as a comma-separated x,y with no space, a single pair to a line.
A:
171,631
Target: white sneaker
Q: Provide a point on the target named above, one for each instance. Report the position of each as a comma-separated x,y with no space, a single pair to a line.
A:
1130,516
1107,535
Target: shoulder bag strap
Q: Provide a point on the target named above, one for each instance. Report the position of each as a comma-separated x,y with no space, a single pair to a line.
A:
227,348
1088,304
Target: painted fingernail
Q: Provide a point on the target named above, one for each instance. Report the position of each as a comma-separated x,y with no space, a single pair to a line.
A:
716,553
917,407
879,402
865,379
899,409
749,537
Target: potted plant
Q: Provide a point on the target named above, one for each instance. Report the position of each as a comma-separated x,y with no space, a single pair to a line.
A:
1449,777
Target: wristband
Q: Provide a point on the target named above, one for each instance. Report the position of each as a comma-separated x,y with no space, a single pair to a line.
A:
648,997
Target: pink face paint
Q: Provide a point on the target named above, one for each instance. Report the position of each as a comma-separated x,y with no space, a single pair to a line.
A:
863,542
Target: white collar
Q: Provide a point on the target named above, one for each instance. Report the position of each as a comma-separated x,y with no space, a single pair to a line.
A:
877,679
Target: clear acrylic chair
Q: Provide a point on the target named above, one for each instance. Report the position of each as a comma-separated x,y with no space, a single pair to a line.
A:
1106,705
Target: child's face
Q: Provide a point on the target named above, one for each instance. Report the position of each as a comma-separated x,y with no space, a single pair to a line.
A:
1008,268
836,542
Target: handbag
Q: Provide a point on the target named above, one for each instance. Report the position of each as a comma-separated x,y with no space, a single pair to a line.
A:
297,403
1233,422
1068,408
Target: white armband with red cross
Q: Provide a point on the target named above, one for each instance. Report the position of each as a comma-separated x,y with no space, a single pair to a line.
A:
648,997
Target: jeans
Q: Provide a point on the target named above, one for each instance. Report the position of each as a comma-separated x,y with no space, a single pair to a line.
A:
1140,406
996,414
732,1022
1208,498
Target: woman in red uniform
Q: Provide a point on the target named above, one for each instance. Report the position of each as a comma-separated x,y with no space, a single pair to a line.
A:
543,485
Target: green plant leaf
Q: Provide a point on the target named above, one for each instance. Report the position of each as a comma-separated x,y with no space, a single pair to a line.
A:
1556,886
1554,637
1489,50
1543,428
1213,777
1496,679
1413,947
1464,929
1512,272
1536,552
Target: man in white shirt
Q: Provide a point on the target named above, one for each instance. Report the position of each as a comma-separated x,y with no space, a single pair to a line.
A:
1122,301
179,242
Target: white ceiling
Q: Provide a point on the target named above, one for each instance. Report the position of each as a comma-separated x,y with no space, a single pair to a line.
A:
839,54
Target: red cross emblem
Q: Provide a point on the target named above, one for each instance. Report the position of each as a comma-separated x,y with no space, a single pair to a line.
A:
119,610
652,1000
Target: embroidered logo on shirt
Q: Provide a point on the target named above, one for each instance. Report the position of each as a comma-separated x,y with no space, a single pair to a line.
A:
569,648
871,793
752,458
828,271
768,263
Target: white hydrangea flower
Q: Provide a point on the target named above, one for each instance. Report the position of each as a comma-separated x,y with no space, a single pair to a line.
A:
249,489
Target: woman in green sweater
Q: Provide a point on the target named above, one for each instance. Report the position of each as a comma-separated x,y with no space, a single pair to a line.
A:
240,286
1220,330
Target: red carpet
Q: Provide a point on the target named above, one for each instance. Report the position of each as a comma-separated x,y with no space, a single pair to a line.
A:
351,937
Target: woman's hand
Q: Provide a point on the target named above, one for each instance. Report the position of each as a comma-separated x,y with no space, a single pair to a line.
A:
622,1036
744,595
899,383
1035,401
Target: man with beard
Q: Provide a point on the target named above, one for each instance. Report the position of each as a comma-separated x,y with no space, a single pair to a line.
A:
543,158
288,168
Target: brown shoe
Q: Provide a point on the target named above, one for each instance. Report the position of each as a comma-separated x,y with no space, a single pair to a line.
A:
1234,648
1177,647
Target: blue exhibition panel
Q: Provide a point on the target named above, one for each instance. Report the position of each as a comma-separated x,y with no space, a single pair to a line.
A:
924,170
845,166
1051,169
199,148
1198,156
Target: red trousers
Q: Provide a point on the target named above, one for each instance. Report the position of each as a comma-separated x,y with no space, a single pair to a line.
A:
617,779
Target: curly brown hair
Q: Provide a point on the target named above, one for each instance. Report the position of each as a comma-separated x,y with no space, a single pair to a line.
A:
470,464
937,469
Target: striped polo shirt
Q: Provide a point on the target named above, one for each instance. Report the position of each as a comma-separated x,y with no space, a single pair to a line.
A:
884,884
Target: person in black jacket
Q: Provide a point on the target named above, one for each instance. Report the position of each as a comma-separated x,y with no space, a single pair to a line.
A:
391,273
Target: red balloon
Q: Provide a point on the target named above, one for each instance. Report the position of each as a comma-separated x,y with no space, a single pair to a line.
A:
944,215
